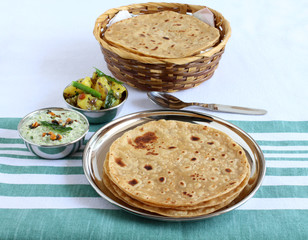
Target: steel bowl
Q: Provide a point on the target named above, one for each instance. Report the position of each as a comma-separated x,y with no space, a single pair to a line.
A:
53,151
99,116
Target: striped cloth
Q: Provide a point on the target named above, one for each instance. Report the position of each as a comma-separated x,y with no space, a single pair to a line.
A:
51,199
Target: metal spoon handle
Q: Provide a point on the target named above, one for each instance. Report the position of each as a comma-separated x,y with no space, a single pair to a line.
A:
230,109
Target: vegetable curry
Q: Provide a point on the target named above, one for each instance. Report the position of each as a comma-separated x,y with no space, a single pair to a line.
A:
96,93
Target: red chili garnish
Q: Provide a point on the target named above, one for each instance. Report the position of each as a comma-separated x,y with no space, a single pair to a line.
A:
81,96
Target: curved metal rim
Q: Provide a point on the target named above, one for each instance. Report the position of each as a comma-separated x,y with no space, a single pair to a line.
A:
174,112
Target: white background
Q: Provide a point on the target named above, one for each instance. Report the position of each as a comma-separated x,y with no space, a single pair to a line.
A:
44,45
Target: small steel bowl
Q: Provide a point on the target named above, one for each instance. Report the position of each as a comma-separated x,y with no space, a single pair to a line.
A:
53,151
100,116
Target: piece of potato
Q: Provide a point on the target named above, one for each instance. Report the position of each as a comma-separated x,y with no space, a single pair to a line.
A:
118,89
86,101
87,82
94,76
102,86
71,91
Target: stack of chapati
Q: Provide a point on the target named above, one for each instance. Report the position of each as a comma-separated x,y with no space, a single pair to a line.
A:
165,34
176,168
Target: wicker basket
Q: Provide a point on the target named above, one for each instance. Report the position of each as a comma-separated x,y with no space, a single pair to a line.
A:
161,74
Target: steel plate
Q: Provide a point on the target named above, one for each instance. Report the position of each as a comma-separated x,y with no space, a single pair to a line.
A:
98,145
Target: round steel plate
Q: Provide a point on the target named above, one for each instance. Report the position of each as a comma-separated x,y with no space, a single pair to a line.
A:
98,145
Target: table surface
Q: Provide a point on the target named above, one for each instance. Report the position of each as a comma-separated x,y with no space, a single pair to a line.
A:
46,45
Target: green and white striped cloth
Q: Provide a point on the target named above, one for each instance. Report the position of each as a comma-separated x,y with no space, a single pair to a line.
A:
51,199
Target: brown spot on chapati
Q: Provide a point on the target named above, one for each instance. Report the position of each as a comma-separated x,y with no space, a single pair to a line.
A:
148,167
161,179
141,129
213,159
228,170
187,194
166,38
154,48
196,151
171,147
141,35
129,141
133,182
223,155
210,143
142,141
194,138
193,159
240,152
151,153
231,183
233,144
120,162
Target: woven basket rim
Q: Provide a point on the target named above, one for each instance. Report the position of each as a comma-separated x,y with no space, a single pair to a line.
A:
103,20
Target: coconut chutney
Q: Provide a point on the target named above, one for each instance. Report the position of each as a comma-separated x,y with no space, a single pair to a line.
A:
53,127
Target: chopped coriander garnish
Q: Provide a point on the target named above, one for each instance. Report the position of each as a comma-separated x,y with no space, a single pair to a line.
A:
56,127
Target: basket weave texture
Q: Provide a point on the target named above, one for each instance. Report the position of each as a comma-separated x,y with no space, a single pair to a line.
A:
161,74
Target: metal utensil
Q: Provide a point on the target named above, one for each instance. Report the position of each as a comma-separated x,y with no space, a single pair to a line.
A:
97,147
169,101
99,116
56,151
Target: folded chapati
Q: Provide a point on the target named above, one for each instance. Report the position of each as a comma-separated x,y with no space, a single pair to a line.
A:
165,34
